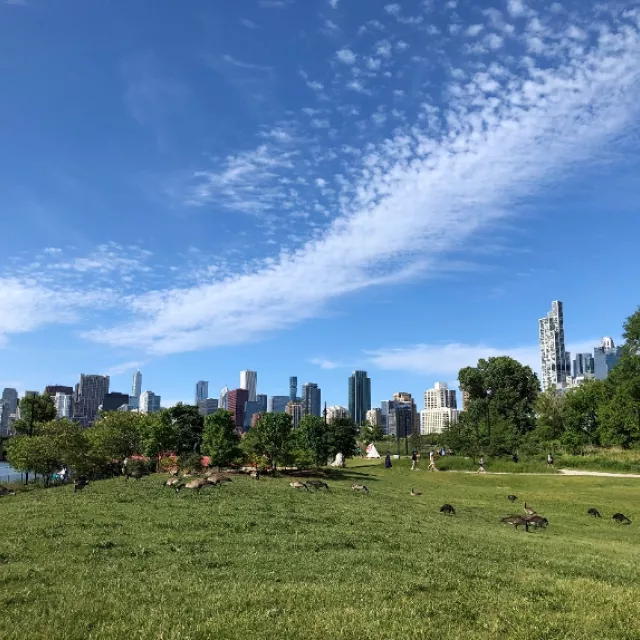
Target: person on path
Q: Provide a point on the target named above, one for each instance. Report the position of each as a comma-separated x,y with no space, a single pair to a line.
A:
481,469
432,461
549,459
387,461
515,457
414,460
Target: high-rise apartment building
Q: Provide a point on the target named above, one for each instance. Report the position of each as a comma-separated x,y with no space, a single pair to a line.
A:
584,366
293,388
251,409
555,361
403,396
359,396
311,399
149,402
10,397
202,391
277,404
384,417
296,411
115,401
8,410
64,405
208,406
224,399
237,399
88,396
440,409
401,418
605,357
374,417
335,412
249,381
52,389
136,384
261,399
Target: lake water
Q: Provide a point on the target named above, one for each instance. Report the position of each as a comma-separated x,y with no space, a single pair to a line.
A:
8,473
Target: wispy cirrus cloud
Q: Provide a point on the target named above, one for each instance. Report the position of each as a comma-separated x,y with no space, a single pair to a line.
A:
124,367
505,131
324,363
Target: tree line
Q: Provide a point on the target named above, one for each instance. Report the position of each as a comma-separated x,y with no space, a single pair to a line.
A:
44,444
507,413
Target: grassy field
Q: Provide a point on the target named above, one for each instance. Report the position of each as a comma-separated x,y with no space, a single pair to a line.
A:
262,560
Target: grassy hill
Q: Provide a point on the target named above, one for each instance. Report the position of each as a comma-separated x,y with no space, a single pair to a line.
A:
262,560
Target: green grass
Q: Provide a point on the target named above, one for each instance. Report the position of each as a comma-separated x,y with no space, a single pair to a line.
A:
261,560
496,465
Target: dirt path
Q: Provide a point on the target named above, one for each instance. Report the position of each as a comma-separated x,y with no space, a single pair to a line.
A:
562,472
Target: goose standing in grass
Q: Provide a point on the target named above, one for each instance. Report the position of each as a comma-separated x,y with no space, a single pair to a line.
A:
359,487
620,518
594,513
448,509
192,484
255,475
516,521
298,485
318,484
415,493
537,521
6,492
79,484
529,511
512,498
171,482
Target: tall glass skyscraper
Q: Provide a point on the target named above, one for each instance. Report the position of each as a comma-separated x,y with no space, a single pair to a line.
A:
605,357
293,388
136,384
202,391
311,399
249,381
359,396
556,362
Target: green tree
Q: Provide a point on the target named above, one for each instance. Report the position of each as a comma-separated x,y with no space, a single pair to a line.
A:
220,438
581,415
189,425
270,438
314,436
158,435
32,453
371,433
550,411
343,434
34,410
117,435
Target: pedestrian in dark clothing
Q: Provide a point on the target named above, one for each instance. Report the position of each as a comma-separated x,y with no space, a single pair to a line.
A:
414,461
387,461
515,457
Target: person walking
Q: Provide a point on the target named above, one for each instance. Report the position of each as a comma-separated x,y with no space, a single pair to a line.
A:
414,460
481,469
549,459
432,461
387,461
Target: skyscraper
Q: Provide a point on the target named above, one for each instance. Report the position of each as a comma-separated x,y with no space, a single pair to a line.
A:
440,409
64,404
311,399
277,404
556,363
149,402
136,390
384,416
52,389
88,397
249,381
359,396
224,398
605,357
208,406
335,412
237,399
295,410
114,401
202,391
373,417
293,388
401,418
584,366
10,397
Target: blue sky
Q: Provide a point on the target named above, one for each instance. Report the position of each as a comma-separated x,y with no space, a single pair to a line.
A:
305,187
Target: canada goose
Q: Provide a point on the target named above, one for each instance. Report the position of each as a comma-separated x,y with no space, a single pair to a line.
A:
415,493
217,479
318,484
6,492
516,521
359,487
171,482
512,498
137,474
529,510
620,518
79,484
448,508
594,512
193,484
255,475
298,485
174,471
537,521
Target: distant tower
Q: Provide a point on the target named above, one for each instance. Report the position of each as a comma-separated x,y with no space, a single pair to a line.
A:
293,388
202,391
556,362
311,399
224,399
136,385
359,396
249,381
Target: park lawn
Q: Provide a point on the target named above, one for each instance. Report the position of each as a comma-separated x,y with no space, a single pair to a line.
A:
256,560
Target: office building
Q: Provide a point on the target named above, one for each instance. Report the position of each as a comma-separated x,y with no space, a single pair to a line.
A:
401,418
88,396
335,412
295,410
384,417
136,384
224,399
149,402
466,399
359,396
403,396
249,381
311,399
293,388
277,404
10,397
584,366
202,391
555,361
605,357
207,407
52,389
114,401
261,399
440,397
64,405
374,417
440,409
251,409
237,400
